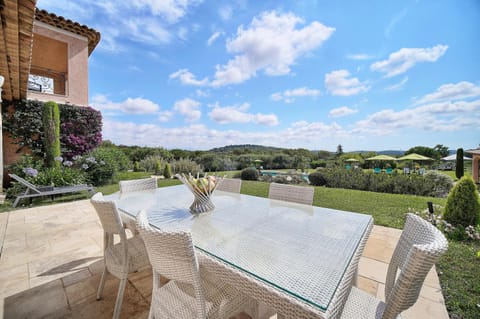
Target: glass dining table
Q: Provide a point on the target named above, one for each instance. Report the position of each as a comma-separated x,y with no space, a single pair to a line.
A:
296,258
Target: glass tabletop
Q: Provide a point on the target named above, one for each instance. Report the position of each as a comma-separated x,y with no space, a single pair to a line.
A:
302,250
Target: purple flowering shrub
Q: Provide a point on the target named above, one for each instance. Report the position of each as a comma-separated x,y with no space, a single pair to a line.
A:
81,130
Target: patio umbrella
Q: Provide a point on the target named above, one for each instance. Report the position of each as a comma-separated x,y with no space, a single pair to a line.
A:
453,157
352,160
414,157
382,158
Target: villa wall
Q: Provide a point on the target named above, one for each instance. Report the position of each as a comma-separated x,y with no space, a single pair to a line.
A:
45,55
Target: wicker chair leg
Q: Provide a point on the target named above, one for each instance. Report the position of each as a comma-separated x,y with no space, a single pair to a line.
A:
118,304
102,283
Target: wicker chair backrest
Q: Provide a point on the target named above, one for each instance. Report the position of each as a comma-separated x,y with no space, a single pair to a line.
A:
291,193
108,215
418,249
136,185
171,253
232,185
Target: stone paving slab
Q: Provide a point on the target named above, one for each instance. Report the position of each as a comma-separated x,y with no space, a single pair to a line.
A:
51,261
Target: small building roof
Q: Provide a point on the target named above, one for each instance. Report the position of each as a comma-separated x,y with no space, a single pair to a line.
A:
16,38
473,152
60,22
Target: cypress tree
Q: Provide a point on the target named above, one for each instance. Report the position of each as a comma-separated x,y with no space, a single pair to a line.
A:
459,165
51,129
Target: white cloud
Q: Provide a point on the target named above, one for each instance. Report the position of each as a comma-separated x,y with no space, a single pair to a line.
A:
288,96
239,114
401,61
187,78
271,43
341,111
165,116
452,92
130,105
434,117
214,37
189,109
147,21
360,56
225,13
397,86
146,30
170,10
201,93
300,134
338,83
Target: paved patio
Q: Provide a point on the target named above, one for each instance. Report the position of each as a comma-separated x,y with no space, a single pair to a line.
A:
51,261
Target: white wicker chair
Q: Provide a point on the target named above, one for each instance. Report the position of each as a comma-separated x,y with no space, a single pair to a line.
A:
291,193
136,185
120,259
232,185
419,247
191,292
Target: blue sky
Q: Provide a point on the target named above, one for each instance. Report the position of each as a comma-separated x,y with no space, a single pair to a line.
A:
199,74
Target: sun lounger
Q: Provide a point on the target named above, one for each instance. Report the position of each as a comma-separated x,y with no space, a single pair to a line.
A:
38,191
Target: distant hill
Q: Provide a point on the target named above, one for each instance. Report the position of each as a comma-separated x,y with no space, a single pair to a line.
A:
386,152
392,152
252,147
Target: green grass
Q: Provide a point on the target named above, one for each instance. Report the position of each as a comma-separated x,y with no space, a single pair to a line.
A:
459,277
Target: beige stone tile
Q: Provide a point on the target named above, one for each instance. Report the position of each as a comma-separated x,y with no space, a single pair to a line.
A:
48,300
16,217
61,265
77,276
133,306
17,242
96,267
432,279
425,308
84,291
378,249
368,285
372,269
381,292
13,279
142,281
386,231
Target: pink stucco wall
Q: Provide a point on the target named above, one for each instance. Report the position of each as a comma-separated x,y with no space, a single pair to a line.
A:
77,73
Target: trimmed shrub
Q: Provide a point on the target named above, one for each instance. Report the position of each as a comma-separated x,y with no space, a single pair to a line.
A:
158,167
51,130
101,163
167,171
463,207
442,183
185,166
317,179
459,164
250,174
431,184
